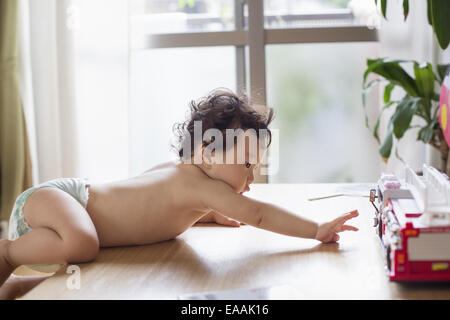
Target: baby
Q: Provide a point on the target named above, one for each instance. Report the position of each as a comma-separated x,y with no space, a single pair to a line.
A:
68,220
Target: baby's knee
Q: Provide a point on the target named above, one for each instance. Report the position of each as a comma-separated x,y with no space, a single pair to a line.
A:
82,247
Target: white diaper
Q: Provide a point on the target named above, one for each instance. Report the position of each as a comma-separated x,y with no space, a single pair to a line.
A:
76,187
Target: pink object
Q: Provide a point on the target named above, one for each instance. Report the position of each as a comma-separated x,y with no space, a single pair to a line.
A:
392,185
444,107
390,181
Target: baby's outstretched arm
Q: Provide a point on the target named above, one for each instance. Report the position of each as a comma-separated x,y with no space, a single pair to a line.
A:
225,200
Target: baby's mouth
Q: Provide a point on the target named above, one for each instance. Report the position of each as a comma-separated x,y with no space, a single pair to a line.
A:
245,190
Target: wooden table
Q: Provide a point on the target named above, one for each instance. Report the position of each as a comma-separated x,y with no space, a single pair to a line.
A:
211,258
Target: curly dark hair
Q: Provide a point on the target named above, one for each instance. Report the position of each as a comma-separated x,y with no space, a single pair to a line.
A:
221,109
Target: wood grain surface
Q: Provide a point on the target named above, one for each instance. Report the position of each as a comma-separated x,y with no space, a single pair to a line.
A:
210,258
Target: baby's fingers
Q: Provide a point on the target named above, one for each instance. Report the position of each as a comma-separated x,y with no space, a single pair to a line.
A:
347,227
226,221
336,237
348,216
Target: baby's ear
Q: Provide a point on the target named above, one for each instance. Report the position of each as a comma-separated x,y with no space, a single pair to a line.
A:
207,160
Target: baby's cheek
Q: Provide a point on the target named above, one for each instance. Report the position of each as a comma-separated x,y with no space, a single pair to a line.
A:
239,181
231,178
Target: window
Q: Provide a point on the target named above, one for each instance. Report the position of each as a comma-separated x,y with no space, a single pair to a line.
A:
231,43
173,16
163,82
301,13
318,112
101,69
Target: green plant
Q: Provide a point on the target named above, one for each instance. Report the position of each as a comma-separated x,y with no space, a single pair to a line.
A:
420,100
438,13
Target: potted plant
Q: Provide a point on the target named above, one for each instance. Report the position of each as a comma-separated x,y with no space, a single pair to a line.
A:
421,98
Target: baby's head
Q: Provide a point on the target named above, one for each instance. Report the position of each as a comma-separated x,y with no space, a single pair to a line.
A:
225,136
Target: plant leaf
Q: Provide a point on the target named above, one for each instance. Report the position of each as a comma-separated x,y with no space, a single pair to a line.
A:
424,79
387,92
366,90
383,7
405,8
392,71
401,119
440,13
377,124
426,133
374,63
386,147
430,20
442,68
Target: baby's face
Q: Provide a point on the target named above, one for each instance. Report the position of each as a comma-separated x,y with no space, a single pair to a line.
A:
238,176
236,169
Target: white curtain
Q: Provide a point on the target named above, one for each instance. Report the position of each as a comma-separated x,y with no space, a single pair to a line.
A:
74,81
26,83
47,76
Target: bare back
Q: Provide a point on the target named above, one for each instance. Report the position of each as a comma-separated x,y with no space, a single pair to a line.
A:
154,206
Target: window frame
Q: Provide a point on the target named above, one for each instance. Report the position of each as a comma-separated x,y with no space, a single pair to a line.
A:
255,37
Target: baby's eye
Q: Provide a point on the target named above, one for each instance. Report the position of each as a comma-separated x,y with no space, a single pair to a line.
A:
247,165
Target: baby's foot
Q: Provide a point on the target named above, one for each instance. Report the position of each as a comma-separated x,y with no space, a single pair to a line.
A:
5,267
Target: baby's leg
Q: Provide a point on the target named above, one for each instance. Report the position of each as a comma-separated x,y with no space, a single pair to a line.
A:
5,266
17,286
62,232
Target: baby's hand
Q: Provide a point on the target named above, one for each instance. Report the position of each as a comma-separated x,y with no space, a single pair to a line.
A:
215,217
327,232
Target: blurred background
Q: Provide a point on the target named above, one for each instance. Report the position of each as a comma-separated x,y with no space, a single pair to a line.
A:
103,81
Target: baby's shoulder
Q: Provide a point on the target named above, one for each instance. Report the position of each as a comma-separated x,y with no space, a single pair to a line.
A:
194,179
191,174
161,166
